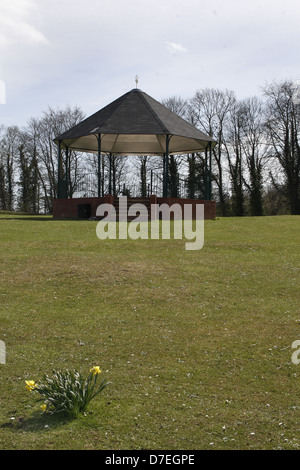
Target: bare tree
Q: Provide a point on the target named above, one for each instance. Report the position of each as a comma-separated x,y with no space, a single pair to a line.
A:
114,171
180,107
235,159
254,148
211,110
143,173
283,124
177,105
42,132
8,153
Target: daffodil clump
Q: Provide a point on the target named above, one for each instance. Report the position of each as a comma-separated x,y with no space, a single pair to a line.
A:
67,392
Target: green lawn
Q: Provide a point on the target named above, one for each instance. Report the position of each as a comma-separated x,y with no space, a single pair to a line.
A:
197,345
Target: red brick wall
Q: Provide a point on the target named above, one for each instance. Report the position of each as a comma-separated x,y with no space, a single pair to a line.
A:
68,208
209,206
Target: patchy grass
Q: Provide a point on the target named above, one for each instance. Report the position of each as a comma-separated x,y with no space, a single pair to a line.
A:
196,344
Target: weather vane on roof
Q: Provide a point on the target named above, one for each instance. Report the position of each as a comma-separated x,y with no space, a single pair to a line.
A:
136,81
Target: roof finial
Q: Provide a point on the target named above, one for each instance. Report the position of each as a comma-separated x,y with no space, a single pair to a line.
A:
136,81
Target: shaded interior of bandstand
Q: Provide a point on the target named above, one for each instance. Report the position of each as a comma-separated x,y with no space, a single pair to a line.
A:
65,207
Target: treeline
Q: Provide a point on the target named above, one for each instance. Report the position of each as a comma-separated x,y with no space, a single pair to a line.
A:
28,161
255,164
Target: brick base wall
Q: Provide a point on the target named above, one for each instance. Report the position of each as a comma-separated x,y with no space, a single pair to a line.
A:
209,206
68,208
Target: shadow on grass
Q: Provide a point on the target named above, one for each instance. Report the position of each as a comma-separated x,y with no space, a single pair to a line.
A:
31,218
45,218
37,422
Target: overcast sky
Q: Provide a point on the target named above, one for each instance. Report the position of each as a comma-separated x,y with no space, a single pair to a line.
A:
88,52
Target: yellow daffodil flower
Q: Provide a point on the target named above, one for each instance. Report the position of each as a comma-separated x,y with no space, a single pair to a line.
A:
30,385
96,370
43,407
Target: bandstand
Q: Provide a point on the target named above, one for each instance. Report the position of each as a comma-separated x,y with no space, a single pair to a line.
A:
134,124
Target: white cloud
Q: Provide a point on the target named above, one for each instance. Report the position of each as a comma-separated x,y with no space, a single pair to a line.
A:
16,23
175,48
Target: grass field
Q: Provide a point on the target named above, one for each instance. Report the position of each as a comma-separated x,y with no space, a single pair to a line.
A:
197,345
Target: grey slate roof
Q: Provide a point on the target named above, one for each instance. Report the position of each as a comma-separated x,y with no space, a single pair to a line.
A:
135,124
